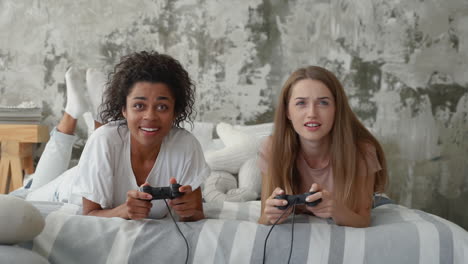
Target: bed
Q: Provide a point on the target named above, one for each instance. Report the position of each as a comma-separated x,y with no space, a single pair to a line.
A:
230,234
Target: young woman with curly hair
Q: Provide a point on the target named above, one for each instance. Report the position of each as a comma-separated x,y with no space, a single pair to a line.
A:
318,144
148,97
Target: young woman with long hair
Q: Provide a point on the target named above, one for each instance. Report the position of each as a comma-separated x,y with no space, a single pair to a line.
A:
318,144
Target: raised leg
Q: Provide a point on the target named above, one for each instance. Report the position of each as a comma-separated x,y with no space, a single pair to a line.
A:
55,158
67,124
57,153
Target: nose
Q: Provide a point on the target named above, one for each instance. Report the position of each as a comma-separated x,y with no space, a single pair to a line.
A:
151,114
311,111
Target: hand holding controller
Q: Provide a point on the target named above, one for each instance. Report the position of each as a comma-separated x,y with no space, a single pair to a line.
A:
297,199
159,193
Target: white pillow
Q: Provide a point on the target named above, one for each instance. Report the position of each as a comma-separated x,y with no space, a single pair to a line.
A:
222,186
241,195
239,147
232,136
20,220
260,131
217,185
17,255
250,176
203,132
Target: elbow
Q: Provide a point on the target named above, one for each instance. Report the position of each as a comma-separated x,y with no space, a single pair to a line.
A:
263,220
355,225
363,224
89,212
86,211
357,222
367,223
196,217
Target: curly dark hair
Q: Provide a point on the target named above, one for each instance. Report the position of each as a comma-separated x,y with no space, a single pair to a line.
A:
148,67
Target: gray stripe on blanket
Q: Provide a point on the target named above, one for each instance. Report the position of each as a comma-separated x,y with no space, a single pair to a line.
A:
337,240
386,215
279,242
75,249
225,241
159,237
445,237
391,225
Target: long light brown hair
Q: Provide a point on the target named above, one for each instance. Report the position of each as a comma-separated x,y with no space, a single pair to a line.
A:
347,135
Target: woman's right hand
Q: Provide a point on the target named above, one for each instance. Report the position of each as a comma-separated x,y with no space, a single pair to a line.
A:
271,212
138,205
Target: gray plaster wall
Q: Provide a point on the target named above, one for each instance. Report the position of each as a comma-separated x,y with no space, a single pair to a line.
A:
403,65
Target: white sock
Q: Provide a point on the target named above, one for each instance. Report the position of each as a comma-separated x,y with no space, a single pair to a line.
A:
95,83
76,102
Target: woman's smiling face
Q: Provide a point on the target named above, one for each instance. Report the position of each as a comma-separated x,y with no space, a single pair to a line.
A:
149,112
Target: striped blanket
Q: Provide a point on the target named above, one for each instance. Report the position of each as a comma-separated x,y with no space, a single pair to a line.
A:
230,234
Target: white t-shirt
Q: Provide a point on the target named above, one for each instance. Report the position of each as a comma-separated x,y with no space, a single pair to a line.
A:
105,173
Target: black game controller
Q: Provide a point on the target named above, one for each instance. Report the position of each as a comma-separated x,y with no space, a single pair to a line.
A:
297,199
159,193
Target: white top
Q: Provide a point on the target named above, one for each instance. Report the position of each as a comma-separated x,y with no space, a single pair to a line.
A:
106,175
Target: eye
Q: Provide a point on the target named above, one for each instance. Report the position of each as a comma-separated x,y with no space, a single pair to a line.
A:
323,102
138,106
162,107
300,103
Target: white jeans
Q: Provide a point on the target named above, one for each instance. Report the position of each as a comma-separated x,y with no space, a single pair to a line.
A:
51,180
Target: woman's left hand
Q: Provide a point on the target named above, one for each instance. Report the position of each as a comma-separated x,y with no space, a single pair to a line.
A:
327,207
188,206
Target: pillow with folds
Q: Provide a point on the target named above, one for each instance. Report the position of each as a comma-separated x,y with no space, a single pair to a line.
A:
221,186
20,220
260,131
17,255
239,147
250,177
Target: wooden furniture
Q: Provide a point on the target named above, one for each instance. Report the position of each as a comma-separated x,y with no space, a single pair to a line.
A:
16,143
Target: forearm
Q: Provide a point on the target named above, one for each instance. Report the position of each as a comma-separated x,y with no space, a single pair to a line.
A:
114,212
346,217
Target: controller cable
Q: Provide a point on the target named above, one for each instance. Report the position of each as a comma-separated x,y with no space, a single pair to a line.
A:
292,230
186,243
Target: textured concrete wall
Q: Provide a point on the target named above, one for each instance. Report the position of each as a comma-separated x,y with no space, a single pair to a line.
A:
403,64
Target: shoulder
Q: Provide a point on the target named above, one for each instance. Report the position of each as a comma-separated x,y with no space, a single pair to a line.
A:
111,128
266,145
264,154
368,154
111,133
367,148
